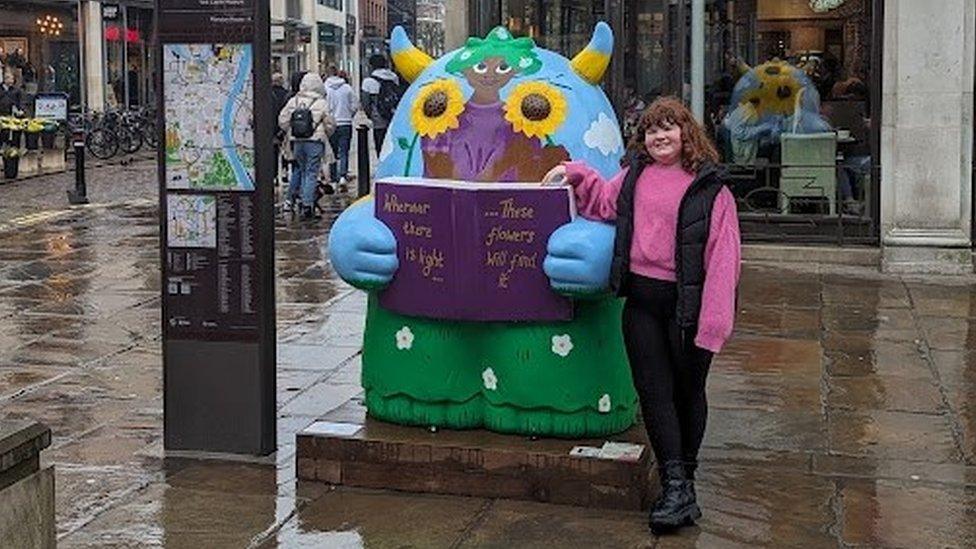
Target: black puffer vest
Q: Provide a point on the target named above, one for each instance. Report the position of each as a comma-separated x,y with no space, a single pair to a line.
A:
694,221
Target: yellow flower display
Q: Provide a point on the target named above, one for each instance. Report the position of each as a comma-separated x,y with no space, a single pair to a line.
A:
437,107
536,109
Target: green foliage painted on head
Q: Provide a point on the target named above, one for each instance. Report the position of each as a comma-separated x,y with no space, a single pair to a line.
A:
517,52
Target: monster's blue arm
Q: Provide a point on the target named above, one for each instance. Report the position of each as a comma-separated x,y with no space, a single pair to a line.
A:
579,256
363,249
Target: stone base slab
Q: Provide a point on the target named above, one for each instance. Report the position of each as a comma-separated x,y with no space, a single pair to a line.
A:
27,512
860,256
471,463
926,260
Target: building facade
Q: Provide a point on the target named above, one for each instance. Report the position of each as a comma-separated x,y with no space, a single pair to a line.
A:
402,13
314,34
882,71
430,35
101,53
374,32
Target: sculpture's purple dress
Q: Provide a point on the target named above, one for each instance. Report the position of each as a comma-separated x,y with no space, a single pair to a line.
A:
480,140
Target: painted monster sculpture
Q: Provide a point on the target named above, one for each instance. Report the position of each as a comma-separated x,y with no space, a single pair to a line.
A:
500,109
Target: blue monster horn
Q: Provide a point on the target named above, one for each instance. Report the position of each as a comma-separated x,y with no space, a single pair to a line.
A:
591,63
407,59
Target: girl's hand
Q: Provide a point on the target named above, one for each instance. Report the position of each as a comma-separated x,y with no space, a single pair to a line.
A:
556,176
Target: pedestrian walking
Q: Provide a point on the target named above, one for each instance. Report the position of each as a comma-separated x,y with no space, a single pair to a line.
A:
381,95
343,105
676,261
279,97
306,119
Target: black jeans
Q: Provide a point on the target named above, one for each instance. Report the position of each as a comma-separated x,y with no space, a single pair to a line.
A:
340,140
379,134
669,371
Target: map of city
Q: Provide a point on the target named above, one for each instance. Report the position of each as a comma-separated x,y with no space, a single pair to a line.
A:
209,116
192,221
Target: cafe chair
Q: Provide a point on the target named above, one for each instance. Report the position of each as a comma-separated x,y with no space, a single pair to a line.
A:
809,169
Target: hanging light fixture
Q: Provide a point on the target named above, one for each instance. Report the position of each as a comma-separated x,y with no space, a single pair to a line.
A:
50,25
821,6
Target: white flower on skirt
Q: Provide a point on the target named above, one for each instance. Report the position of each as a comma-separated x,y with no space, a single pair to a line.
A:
404,338
491,382
562,345
604,404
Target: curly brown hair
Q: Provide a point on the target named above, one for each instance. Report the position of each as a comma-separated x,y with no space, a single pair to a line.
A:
696,148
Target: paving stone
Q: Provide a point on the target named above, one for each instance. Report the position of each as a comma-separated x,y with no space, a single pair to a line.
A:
897,435
888,514
359,518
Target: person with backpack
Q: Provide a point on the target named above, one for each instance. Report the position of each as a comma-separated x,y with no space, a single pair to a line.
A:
309,124
381,95
343,105
676,260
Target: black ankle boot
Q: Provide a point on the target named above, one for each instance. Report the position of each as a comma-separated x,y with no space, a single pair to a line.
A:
677,506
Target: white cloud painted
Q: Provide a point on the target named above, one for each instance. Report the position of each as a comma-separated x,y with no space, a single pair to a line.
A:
603,135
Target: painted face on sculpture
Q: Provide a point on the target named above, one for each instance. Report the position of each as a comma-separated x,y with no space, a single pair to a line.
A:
501,109
488,78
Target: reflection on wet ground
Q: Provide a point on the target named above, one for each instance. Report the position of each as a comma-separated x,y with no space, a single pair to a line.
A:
843,413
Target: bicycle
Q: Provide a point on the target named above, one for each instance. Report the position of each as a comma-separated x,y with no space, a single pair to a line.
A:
100,141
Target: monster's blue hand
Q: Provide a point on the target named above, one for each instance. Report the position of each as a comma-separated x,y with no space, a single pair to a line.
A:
578,263
362,249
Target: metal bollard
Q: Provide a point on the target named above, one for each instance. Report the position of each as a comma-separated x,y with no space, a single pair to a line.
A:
80,193
362,160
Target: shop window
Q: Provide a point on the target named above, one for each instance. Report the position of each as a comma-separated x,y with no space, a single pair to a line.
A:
39,50
792,116
128,56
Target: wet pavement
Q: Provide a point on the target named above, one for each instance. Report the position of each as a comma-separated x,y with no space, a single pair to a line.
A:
843,413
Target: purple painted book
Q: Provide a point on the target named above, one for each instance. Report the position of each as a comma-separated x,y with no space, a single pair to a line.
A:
473,251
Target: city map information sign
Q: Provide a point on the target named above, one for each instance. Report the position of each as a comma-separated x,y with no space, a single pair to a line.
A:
209,127
216,225
209,116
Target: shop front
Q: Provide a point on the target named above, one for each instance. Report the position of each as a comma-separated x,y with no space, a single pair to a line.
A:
39,48
788,89
39,64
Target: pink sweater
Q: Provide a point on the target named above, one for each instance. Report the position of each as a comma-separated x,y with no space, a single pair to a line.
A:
656,200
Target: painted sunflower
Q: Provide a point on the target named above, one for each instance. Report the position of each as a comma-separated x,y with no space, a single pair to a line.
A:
437,107
536,109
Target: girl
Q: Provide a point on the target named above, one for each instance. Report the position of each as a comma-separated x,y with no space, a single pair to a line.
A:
676,260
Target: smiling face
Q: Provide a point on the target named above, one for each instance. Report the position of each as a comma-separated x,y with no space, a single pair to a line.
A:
664,143
488,77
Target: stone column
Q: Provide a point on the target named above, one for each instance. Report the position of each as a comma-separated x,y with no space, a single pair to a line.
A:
93,54
455,24
310,17
927,136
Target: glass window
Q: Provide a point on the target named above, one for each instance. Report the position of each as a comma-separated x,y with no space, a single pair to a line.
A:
114,33
139,61
787,102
